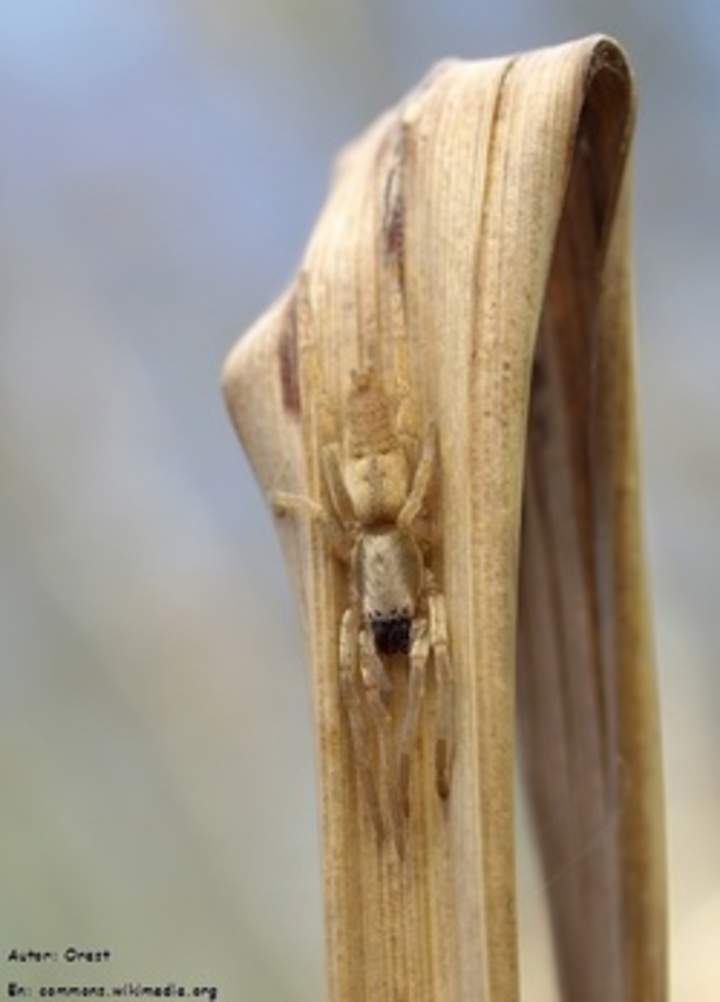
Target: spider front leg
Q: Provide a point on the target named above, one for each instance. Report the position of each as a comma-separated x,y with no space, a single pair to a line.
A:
422,479
444,741
338,540
332,472
376,682
419,652
359,731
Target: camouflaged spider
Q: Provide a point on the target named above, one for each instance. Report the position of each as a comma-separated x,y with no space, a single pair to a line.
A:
375,526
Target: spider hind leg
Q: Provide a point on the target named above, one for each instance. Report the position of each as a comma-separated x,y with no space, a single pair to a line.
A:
444,739
359,731
376,682
418,657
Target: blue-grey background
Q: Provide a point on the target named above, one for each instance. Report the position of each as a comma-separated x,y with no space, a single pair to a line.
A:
162,163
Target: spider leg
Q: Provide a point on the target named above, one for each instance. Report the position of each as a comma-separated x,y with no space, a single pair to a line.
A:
359,732
337,539
375,681
332,471
419,652
444,742
411,446
423,528
422,479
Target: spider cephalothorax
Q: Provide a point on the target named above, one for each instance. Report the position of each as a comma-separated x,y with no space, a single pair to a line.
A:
377,482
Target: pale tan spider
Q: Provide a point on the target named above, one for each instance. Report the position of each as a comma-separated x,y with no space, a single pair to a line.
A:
375,525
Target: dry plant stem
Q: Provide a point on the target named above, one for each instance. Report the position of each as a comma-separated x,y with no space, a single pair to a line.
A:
474,249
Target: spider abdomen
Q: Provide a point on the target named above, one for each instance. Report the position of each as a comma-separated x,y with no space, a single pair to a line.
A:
388,570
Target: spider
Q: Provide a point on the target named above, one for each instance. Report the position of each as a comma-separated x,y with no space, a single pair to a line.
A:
375,525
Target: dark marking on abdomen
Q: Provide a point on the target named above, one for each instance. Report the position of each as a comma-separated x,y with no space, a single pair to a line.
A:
391,634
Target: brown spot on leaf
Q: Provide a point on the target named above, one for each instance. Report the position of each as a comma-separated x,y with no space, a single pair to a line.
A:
392,156
288,360
394,215
394,221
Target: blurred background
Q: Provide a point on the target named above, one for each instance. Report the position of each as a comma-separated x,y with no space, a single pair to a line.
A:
163,162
